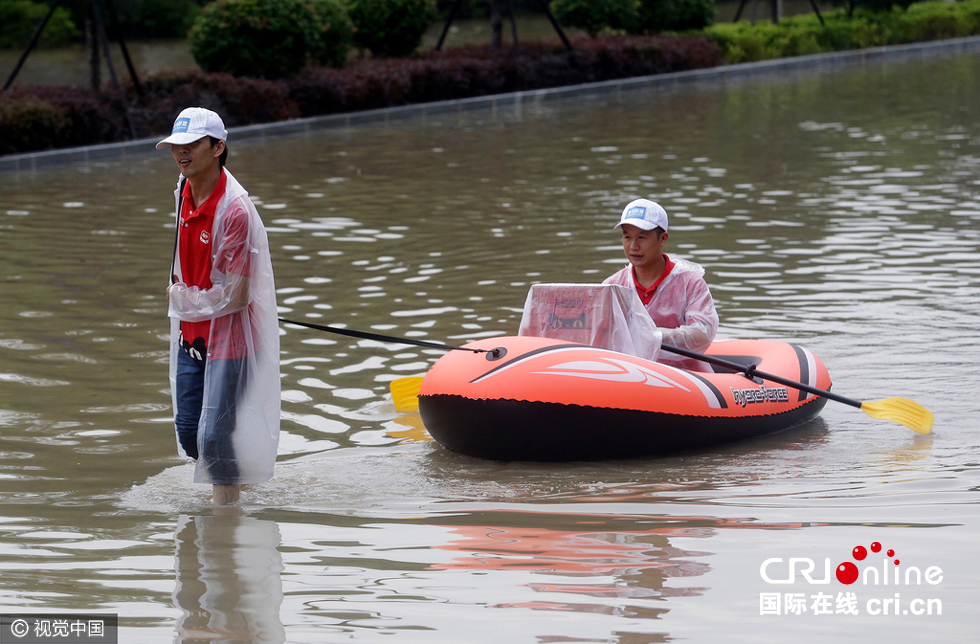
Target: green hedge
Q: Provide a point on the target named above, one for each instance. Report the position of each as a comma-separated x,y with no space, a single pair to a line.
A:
31,125
37,118
802,35
40,118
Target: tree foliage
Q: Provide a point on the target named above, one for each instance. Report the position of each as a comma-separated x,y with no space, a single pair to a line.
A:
391,28
19,20
596,16
655,16
270,38
634,16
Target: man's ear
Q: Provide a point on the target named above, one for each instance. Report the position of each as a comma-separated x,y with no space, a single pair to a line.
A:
218,148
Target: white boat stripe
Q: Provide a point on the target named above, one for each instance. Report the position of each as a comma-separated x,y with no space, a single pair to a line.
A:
531,356
811,371
709,396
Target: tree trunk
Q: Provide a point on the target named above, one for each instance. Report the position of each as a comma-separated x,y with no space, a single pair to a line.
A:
496,23
92,35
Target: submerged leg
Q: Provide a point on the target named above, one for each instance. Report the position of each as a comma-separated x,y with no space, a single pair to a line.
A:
190,395
227,381
225,494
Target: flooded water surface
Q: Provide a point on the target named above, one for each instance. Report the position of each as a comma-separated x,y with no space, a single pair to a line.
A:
837,209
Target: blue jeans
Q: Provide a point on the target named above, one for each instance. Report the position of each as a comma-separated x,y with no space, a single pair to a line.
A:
190,397
213,442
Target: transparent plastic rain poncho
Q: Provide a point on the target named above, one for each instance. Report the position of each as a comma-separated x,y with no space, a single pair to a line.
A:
606,316
241,310
683,309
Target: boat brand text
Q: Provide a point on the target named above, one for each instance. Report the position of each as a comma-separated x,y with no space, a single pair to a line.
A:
759,394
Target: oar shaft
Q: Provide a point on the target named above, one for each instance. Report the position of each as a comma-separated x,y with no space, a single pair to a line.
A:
378,337
749,370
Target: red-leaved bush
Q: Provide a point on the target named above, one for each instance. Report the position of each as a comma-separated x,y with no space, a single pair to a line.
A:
38,118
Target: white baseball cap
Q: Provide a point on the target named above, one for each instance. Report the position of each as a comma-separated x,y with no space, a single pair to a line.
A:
192,124
644,214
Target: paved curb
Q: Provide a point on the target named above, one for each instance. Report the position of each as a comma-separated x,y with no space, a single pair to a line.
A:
513,101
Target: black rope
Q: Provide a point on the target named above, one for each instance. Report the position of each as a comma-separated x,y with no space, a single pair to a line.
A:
364,335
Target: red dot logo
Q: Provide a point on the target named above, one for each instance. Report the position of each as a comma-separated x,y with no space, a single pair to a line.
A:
897,562
859,553
890,553
847,573
875,547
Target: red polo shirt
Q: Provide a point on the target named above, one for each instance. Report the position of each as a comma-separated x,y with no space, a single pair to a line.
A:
196,264
646,294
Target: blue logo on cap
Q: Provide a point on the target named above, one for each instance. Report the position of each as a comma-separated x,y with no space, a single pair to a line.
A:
181,125
636,212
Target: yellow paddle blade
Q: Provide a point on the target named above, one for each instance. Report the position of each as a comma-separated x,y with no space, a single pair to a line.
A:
901,410
410,427
405,393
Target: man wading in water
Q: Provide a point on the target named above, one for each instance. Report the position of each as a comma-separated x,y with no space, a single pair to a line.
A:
224,357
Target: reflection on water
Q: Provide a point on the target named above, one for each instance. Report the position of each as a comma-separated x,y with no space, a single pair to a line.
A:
835,209
228,579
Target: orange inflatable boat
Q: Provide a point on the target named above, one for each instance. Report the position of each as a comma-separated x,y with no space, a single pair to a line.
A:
541,399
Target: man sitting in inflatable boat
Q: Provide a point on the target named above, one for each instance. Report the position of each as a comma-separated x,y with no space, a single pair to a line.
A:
669,302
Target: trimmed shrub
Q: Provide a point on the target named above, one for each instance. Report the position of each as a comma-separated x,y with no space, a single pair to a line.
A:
240,101
391,28
596,16
655,16
332,33
479,70
799,35
31,125
161,19
264,38
19,20
744,42
36,118
871,5
269,38
938,20
40,118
